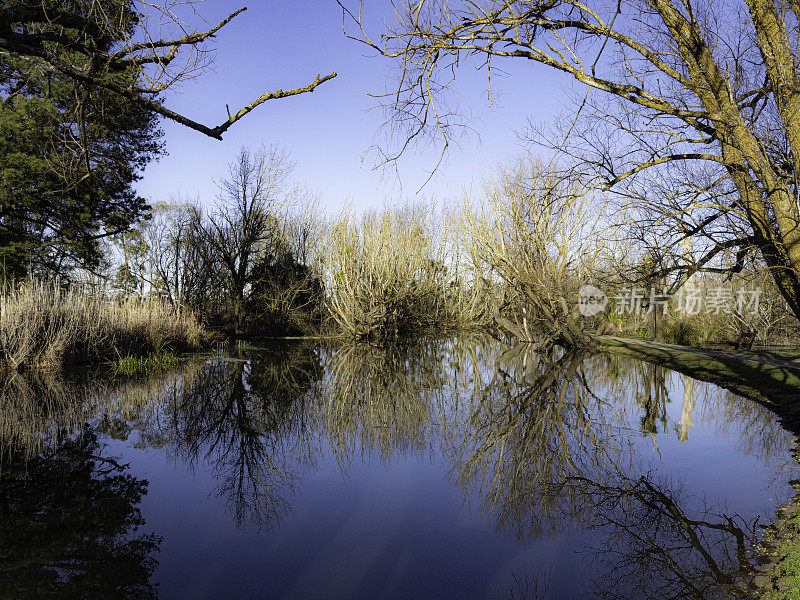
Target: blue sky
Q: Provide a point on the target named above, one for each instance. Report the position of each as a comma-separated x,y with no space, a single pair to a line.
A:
284,44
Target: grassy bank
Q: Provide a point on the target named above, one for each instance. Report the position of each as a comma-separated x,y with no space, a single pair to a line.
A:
779,578
42,326
152,363
770,380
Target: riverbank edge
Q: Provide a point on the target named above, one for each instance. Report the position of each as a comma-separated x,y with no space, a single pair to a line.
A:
773,383
777,576
760,377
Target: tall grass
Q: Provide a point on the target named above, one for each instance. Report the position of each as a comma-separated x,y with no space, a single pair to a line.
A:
42,326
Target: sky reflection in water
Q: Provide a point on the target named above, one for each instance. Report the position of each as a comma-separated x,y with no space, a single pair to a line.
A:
451,469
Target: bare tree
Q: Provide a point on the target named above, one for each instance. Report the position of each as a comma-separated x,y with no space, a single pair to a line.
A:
94,42
537,239
244,221
712,84
168,236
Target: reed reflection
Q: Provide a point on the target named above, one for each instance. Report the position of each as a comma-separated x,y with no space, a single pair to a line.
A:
545,442
382,400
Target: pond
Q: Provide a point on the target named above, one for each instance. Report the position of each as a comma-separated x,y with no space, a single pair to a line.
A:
444,469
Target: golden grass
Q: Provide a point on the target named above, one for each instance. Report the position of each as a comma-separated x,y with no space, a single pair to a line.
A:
42,326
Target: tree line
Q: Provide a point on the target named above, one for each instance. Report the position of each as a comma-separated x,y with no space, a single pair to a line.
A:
253,242
82,91
687,110
688,131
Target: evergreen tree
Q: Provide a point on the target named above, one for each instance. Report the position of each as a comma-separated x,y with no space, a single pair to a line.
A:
70,153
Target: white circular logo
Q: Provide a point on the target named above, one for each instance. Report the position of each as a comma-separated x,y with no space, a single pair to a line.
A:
591,301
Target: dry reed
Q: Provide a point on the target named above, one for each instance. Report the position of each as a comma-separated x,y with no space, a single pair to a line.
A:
42,326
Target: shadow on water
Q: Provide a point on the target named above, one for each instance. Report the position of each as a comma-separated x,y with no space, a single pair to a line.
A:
544,443
775,385
69,525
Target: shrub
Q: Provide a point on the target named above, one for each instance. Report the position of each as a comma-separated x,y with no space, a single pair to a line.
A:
386,276
538,237
681,332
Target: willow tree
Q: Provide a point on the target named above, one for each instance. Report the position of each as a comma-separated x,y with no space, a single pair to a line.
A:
704,92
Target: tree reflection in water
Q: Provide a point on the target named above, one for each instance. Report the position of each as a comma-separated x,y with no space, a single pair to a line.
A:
651,548
546,441
246,419
547,454
69,523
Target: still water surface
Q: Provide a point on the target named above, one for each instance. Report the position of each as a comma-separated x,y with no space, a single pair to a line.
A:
450,469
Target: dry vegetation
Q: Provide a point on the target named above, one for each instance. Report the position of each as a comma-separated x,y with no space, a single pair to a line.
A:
44,326
511,261
537,238
387,274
